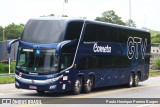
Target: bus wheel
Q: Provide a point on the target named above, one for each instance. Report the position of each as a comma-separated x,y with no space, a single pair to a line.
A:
77,86
136,80
40,92
88,85
130,81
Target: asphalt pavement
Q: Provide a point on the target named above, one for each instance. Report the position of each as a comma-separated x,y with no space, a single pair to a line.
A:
146,89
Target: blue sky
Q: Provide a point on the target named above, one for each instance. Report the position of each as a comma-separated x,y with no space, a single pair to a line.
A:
144,12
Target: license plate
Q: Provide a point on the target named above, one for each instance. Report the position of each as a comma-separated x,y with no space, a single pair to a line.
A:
33,87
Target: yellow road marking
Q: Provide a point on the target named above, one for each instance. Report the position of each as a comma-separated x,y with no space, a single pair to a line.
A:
97,94
115,91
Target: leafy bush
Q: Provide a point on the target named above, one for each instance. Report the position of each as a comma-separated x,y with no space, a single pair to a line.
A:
13,65
156,64
155,40
4,68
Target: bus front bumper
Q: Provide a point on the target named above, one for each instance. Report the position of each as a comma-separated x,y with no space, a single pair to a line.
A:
53,85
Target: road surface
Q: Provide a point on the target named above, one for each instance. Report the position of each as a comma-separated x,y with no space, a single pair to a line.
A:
146,89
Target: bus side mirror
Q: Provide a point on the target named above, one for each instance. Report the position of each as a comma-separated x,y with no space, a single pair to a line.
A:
10,45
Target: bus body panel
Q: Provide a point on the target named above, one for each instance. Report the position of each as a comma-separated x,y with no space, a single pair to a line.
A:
110,63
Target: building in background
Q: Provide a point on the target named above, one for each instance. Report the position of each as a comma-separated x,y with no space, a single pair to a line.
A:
155,50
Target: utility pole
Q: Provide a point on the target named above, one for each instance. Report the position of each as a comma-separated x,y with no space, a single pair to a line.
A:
145,22
64,1
130,12
63,8
130,17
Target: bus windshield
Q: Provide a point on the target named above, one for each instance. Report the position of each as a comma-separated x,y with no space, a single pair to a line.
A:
37,61
44,31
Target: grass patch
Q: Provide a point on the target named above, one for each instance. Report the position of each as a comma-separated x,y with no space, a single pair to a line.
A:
154,73
7,79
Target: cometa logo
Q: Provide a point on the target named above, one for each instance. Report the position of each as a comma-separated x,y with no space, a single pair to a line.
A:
103,49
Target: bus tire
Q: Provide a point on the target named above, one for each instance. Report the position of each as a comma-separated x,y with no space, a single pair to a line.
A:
89,85
77,86
130,80
136,80
40,92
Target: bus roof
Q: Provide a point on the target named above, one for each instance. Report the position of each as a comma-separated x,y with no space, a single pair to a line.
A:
68,19
116,25
65,19
40,30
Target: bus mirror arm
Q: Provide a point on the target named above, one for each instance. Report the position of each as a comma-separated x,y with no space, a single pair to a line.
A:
65,43
10,45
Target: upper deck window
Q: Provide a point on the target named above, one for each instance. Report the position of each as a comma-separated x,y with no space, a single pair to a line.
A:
97,33
73,30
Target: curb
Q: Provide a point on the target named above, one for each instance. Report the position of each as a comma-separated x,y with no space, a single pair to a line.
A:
1,75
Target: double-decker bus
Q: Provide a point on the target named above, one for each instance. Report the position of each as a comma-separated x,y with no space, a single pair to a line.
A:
62,54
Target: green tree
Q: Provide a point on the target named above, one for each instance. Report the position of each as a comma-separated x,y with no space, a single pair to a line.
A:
1,33
22,25
111,17
83,17
156,64
130,23
158,36
47,15
155,40
13,31
51,15
64,16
